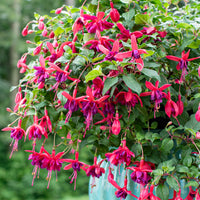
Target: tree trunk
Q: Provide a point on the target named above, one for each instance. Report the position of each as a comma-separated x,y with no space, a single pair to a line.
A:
14,49
70,2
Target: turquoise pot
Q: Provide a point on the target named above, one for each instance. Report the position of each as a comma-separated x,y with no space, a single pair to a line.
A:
105,191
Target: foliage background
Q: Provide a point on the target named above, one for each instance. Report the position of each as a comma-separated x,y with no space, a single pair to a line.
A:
16,173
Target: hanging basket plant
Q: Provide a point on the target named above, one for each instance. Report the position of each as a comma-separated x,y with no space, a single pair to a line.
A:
122,79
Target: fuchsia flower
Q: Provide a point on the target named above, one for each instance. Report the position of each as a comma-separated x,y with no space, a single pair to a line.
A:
111,55
140,172
121,192
129,99
97,87
171,107
76,165
114,14
97,22
121,155
19,100
116,128
90,107
134,54
72,104
46,122
126,34
157,94
16,134
182,62
78,24
41,73
180,105
22,64
25,31
44,160
144,194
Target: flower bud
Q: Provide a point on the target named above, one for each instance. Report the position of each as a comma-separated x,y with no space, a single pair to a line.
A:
44,32
114,14
58,10
41,25
116,127
197,115
199,71
180,105
30,31
25,31
51,35
197,135
37,50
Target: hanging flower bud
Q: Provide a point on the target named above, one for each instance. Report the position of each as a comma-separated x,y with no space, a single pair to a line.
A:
199,71
37,50
30,31
55,43
116,128
51,35
197,135
180,105
114,14
197,115
25,31
41,25
44,32
58,10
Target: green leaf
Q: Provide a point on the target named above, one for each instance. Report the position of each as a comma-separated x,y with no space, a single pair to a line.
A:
129,15
88,36
126,1
184,25
158,172
93,74
92,139
151,73
162,191
182,168
132,83
142,19
187,160
167,145
172,183
150,53
58,31
193,123
192,183
109,82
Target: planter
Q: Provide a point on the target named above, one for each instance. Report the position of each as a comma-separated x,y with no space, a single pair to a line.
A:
103,190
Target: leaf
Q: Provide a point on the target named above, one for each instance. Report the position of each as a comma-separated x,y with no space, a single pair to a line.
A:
129,15
187,160
126,1
151,73
58,31
142,19
162,191
193,123
172,183
167,145
149,53
158,172
92,139
109,82
192,183
184,25
93,74
182,168
132,83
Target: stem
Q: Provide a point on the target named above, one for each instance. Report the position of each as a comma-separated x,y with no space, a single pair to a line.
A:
195,145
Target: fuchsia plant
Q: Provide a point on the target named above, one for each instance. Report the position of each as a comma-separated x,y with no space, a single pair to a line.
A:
97,66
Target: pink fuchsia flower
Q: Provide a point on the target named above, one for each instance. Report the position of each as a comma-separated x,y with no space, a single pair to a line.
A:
97,87
116,127
144,194
22,64
134,54
78,24
140,171
182,62
129,99
121,192
121,155
59,10
126,34
180,105
72,104
171,107
111,55
114,14
90,107
16,134
19,100
25,31
197,114
37,50
76,165
46,122
156,93
96,23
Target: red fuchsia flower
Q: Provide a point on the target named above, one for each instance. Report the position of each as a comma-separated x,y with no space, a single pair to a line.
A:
44,160
140,171
197,115
126,34
59,10
78,24
191,194
156,93
37,50
97,22
197,196
95,171
22,64
41,25
46,122
121,155
111,55
35,131
97,87
101,40
72,104
25,31
129,99
182,62
16,134
90,107
171,107
41,73
19,100
144,194
121,192
180,105
76,165
177,196
116,127
114,14
134,54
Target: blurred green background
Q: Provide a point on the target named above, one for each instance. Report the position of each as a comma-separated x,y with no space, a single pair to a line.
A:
16,173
